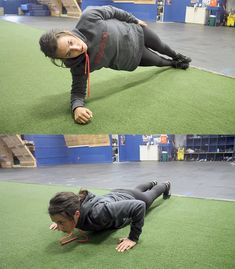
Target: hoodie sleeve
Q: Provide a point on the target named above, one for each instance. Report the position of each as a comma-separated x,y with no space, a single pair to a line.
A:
78,88
119,211
110,12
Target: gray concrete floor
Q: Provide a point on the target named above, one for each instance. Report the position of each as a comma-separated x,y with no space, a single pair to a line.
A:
194,179
211,48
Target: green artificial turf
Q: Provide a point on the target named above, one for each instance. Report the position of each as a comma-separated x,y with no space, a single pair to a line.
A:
35,95
178,233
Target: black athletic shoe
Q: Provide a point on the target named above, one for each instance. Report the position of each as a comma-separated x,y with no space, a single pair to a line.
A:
154,183
180,65
167,193
182,58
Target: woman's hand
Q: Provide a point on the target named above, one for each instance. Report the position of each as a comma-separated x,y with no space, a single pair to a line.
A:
53,226
82,115
125,244
142,23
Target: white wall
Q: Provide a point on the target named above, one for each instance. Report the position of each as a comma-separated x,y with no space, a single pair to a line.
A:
230,5
180,140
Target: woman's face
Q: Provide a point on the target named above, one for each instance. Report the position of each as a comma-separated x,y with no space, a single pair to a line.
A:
63,224
69,46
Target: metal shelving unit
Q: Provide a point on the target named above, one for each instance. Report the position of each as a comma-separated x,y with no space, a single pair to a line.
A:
210,147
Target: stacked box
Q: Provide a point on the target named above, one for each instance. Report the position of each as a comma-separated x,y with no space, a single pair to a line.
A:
72,8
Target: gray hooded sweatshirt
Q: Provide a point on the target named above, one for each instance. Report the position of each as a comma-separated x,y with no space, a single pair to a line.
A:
112,211
114,40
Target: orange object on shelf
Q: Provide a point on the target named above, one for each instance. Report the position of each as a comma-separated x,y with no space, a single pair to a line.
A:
213,3
163,139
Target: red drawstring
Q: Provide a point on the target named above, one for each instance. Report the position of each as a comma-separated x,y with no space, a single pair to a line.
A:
87,71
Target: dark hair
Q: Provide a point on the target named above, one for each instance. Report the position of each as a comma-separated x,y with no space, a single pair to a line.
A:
48,44
66,203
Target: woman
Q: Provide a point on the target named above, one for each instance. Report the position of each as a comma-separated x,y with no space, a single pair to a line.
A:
88,212
105,37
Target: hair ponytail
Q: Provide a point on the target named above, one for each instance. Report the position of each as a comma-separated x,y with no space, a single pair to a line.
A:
82,194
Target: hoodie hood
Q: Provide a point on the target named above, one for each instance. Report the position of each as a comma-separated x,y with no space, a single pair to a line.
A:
86,206
79,34
73,62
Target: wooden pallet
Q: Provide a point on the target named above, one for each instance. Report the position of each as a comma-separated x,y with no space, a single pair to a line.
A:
6,156
87,140
18,148
72,7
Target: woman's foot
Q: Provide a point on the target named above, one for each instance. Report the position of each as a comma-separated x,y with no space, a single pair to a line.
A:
180,65
167,193
181,62
182,58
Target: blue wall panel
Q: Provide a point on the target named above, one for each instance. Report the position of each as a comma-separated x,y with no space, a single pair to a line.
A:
11,6
52,150
141,11
87,3
130,151
90,155
176,11
49,149
51,161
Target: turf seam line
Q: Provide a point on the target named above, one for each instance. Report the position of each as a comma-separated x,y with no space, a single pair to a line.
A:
204,198
210,71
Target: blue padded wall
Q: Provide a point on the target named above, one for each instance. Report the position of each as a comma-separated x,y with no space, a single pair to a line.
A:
49,149
52,150
90,155
86,3
176,11
141,11
11,6
131,150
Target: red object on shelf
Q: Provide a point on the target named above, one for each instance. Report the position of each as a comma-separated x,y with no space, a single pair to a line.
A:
163,139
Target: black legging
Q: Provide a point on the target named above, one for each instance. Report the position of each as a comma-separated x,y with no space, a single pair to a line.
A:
154,45
145,192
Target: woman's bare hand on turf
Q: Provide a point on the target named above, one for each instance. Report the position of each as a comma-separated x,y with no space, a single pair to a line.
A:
142,23
82,115
125,244
53,226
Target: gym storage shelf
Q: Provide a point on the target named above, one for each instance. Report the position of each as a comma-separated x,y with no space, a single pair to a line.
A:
210,147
